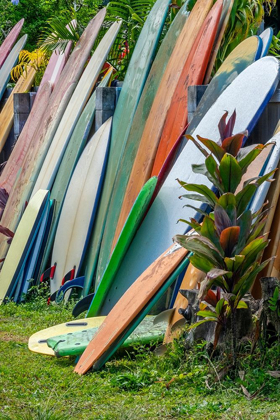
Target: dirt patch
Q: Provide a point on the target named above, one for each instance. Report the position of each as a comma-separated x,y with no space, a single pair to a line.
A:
5,336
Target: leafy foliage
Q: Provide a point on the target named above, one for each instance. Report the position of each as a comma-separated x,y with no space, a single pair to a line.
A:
228,245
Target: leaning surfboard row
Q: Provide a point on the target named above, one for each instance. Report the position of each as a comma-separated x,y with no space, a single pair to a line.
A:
96,211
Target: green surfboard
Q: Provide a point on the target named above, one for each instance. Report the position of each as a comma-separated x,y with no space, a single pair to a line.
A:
135,79
70,158
135,134
136,215
74,344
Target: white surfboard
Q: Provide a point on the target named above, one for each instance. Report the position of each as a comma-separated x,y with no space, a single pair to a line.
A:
74,109
80,206
248,95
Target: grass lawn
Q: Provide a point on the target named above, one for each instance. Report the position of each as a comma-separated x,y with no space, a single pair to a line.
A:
136,385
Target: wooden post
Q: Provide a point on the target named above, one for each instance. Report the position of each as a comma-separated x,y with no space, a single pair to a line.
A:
195,94
22,106
106,100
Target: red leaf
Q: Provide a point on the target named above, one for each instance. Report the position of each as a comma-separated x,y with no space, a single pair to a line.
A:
229,238
233,144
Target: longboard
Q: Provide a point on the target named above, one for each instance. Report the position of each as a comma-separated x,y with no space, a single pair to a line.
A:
75,344
21,243
227,8
137,212
154,236
130,304
74,109
24,84
266,37
192,74
162,104
44,132
246,53
135,78
7,44
9,63
150,89
79,207
70,158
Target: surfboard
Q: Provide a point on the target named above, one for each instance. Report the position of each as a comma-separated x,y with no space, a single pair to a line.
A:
135,78
246,53
134,136
266,37
193,276
192,74
75,344
22,241
38,341
162,104
130,304
19,151
7,44
70,158
74,109
227,8
24,84
5,71
44,132
79,207
135,216
153,235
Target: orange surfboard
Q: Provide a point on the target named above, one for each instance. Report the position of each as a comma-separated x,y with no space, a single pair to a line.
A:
193,74
142,166
130,304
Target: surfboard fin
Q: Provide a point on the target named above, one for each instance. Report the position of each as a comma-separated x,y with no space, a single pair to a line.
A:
164,316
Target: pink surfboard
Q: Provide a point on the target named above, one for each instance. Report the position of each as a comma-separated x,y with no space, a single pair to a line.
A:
8,43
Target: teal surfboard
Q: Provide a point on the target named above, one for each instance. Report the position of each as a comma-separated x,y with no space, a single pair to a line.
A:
135,79
74,344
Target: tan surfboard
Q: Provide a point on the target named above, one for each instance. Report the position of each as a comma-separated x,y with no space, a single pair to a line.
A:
130,304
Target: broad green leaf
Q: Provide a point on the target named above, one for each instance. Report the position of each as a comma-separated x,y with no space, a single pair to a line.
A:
213,173
203,151
252,252
244,222
191,327
200,189
249,280
244,197
217,272
229,238
219,306
226,200
230,172
207,314
197,197
214,148
265,177
208,230
201,263
257,230
242,305
234,263
200,246
248,154
197,209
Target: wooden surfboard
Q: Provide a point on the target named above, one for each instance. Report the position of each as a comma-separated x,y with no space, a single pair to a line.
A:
75,344
44,132
135,78
266,37
74,109
24,84
227,8
130,304
137,212
79,207
154,236
38,341
70,158
134,137
144,159
193,74
7,44
21,243
246,53
5,71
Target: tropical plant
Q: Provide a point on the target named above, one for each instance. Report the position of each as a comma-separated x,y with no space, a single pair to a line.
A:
36,59
229,243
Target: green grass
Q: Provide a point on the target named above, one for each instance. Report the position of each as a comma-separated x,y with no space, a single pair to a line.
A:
135,385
